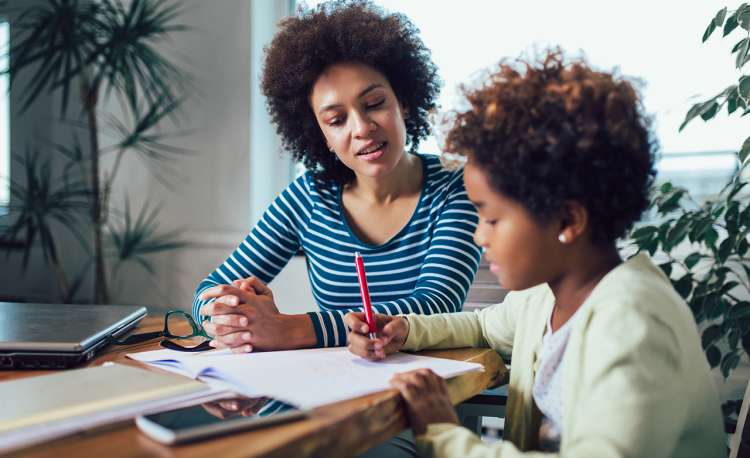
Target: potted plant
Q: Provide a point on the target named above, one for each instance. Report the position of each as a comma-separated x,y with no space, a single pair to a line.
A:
94,49
713,277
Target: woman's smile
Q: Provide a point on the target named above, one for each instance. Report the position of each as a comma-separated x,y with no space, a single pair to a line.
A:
372,152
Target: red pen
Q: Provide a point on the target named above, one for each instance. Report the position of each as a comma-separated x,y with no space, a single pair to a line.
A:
365,293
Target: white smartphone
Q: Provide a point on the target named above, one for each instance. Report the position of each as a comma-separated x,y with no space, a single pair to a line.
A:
216,418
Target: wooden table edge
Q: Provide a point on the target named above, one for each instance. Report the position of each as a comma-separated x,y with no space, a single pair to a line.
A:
346,428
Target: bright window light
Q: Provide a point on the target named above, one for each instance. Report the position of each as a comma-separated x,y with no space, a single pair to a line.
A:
4,122
657,42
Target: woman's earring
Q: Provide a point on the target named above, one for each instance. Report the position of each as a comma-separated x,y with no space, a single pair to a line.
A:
330,149
562,238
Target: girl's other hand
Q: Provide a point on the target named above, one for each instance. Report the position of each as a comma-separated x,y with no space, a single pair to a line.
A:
427,399
391,330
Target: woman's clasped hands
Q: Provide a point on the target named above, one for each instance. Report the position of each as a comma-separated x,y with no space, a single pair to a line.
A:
245,318
425,393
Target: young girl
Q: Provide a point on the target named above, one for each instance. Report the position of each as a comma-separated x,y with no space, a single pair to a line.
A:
606,356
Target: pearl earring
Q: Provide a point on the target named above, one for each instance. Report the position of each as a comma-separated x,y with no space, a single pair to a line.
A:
562,238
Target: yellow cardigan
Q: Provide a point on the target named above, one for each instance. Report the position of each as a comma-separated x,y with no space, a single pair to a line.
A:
635,383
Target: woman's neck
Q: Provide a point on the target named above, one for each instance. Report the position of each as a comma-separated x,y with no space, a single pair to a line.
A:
584,270
404,180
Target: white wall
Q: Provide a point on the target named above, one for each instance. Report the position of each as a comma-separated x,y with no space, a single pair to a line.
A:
216,189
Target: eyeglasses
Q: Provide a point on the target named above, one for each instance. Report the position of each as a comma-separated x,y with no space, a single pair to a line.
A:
177,320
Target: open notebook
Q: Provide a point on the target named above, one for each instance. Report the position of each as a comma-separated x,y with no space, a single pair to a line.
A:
305,378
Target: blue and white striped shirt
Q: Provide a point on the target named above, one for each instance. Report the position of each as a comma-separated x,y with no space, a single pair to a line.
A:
426,268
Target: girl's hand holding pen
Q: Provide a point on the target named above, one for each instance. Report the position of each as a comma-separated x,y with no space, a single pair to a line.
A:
392,332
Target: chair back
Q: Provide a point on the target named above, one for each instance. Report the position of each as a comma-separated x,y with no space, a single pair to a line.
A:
739,444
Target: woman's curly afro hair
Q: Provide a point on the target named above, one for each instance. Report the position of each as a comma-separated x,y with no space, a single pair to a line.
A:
561,132
310,41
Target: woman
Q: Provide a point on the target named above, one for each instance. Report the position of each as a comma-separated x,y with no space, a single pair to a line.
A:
606,357
349,87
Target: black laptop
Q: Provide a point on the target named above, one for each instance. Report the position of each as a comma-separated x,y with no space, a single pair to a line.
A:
57,336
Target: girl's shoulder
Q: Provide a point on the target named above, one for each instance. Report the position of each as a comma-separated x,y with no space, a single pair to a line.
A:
637,293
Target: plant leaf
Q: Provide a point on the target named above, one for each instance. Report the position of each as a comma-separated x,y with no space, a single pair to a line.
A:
698,110
739,310
711,237
744,151
644,232
684,285
700,228
726,247
713,355
744,87
710,303
743,18
677,233
731,24
719,19
692,260
667,268
710,335
709,30
738,187
729,363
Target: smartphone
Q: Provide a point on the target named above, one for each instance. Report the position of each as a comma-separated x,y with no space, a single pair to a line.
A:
216,418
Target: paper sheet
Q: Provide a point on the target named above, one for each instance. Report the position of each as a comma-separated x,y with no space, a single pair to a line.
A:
306,378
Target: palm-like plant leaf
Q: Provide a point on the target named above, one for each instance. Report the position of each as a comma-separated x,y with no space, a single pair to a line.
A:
40,203
128,58
135,239
66,37
149,145
59,38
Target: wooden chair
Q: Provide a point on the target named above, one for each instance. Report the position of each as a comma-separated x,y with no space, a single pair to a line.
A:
484,292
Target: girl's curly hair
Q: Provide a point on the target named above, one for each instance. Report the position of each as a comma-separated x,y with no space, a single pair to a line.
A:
561,132
343,31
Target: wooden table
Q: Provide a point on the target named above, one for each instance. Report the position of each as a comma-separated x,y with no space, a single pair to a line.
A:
343,429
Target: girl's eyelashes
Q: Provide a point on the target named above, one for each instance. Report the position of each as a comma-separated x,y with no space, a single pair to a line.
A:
335,122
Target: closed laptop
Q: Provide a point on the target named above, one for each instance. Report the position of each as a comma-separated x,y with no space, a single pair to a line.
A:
56,336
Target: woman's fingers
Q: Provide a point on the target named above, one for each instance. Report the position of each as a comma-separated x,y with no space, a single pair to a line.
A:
217,291
217,308
230,339
253,284
219,331
231,319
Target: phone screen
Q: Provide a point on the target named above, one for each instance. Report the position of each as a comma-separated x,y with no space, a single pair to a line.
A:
219,412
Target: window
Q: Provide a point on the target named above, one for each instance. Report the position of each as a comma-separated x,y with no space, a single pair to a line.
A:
4,124
657,42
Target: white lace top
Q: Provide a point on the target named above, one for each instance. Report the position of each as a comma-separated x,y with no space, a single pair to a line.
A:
547,390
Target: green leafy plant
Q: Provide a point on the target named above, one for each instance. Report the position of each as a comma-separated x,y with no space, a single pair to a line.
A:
95,49
711,271
711,275
737,96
